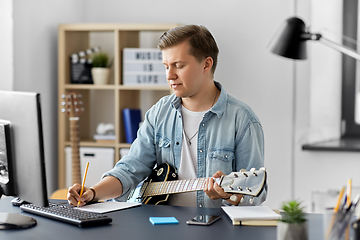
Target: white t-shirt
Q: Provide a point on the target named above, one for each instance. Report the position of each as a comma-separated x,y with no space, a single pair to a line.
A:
188,163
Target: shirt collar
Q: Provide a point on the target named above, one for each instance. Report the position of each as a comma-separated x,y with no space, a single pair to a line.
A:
219,106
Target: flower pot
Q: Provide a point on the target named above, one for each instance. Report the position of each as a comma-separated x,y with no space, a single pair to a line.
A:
100,75
292,231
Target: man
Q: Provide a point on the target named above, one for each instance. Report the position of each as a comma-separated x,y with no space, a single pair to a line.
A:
200,130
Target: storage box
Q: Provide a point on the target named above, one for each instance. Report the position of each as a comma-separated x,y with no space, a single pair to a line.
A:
100,161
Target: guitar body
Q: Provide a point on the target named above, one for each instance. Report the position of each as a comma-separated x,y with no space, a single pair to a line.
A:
162,173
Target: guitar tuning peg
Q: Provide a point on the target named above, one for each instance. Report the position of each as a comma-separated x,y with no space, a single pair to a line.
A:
63,103
76,110
239,188
79,95
63,96
82,109
63,110
81,102
248,189
252,169
235,175
244,173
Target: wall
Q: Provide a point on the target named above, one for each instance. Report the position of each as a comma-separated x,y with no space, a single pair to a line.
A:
246,68
319,110
35,62
6,45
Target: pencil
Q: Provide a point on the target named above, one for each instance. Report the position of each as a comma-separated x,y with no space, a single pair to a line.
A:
349,186
336,208
348,203
83,183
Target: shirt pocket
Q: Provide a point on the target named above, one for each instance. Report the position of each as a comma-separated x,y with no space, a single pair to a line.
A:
221,160
163,149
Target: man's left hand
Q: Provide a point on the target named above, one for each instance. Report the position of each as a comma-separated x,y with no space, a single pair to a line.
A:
214,191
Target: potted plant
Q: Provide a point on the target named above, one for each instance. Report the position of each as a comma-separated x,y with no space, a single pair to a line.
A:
293,224
100,70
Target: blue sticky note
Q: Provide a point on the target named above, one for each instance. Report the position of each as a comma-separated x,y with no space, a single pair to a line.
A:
163,220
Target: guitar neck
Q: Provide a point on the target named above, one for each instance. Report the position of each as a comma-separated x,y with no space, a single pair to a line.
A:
75,152
171,187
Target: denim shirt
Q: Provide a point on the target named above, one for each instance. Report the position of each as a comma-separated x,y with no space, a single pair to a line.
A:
230,138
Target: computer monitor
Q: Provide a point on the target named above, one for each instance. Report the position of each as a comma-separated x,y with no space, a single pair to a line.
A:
22,161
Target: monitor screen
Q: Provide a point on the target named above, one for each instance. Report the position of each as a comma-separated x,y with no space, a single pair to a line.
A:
22,162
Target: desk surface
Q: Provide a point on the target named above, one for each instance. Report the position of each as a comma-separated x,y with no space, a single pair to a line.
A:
134,224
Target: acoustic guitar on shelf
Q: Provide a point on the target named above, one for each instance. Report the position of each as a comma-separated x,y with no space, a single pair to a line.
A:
162,182
73,107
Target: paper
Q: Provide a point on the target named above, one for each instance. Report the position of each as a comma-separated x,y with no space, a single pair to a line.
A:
105,207
250,213
163,220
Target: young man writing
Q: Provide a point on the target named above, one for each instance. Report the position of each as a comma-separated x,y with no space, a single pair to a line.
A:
200,130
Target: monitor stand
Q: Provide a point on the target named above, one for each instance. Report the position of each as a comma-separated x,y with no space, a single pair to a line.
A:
15,220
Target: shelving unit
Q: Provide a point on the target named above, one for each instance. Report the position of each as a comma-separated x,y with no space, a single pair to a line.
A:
103,103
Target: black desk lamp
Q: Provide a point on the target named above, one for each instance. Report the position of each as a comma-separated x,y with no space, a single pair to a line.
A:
290,41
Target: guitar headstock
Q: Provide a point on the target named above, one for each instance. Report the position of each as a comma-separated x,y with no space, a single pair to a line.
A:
244,182
72,104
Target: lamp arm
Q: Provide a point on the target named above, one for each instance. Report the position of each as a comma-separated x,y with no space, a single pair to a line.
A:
346,50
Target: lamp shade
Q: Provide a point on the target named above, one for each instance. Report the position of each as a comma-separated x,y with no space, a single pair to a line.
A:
288,41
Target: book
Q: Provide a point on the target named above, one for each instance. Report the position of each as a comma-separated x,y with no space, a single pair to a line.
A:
252,215
132,119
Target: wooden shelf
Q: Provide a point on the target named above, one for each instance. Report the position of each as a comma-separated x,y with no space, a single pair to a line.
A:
102,103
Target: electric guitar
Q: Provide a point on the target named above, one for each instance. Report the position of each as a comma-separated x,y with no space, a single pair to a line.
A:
162,182
72,106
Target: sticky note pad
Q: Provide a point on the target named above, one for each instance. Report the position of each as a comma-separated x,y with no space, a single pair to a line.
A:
163,220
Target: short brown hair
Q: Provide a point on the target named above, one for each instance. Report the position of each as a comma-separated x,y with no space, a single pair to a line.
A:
202,43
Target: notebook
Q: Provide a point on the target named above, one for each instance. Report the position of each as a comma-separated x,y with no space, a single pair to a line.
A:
252,215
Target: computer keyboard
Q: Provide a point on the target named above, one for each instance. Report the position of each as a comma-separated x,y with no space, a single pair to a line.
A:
67,214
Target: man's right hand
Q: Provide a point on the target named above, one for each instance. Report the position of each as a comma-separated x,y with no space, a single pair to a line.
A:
74,195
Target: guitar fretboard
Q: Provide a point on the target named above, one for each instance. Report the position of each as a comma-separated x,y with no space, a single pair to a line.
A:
75,153
177,186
